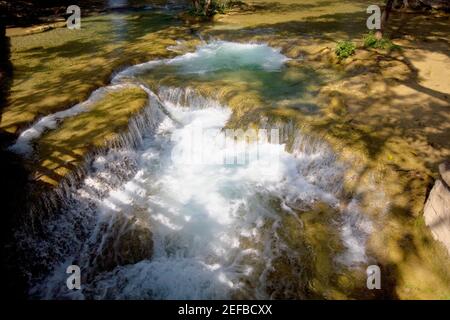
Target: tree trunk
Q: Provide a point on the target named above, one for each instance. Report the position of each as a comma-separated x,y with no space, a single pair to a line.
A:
207,5
196,4
384,18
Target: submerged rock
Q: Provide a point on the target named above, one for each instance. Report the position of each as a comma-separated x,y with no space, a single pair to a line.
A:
127,241
437,207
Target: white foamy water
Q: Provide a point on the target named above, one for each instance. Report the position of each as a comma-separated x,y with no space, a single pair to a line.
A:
215,56
200,215
148,222
220,55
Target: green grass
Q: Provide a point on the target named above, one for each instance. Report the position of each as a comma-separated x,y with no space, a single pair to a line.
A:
371,41
345,49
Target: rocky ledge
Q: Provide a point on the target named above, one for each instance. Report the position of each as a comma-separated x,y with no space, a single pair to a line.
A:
437,207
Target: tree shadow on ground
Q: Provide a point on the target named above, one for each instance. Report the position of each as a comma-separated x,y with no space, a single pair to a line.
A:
331,27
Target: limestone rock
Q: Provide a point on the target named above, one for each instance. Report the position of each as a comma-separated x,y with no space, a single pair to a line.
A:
437,213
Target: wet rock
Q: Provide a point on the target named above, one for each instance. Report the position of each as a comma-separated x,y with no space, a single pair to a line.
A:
126,240
437,4
408,4
437,208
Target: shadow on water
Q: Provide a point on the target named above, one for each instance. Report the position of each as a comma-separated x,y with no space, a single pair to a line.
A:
294,87
273,86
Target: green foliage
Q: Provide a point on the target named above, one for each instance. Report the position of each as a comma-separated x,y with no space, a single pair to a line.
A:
345,49
371,41
222,6
200,11
216,6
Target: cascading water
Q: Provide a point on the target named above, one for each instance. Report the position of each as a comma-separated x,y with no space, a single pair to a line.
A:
147,222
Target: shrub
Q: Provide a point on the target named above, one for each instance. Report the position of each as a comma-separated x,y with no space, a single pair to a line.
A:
371,41
345,49
215,6
221,7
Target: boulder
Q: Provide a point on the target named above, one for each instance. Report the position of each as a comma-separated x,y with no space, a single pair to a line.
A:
437,211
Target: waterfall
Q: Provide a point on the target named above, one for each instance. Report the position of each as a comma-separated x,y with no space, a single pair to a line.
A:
184,223
144,222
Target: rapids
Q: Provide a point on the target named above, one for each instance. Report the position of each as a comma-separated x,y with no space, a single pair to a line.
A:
169,218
